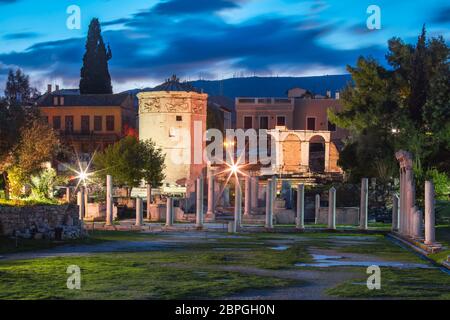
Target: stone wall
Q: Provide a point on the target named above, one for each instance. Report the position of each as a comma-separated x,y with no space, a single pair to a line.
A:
41,222
345,216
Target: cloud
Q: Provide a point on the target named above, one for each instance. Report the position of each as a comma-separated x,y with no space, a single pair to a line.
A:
20,35
175,7
160,41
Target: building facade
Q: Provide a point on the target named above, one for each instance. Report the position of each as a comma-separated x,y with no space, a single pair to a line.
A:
305,141
88,123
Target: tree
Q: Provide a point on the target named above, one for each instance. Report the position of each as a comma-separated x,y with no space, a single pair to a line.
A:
405,107
153,163
129,162
95,77
16,111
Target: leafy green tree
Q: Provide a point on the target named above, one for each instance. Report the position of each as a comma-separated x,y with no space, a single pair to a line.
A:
95,77
129,162
16,112
152,163
405,107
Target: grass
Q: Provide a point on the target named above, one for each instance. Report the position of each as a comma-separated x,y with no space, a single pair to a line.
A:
443,237
195,270
151,275
398,283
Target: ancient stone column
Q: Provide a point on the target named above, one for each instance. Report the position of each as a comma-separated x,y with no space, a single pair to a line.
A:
269,205
199,205
317,209
139,212
226,197
417,223
409,201
301,206
169,212
109,201
238,205
81,204
68,194
363,210
86,199
332,209
247,196
255,193
149,201
211,196
395,212
430,237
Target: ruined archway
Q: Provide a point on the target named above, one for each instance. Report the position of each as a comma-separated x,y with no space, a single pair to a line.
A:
317,154
292,153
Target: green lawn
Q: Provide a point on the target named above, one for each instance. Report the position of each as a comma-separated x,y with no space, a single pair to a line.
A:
398,283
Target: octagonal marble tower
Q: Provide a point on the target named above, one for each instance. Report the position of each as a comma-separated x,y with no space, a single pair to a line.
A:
173,115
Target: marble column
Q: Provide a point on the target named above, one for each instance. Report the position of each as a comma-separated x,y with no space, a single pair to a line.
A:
269,205
200,197
68,194
86,199
409,202
395,212
332,209
430,237
317,209
247,196
226,197
301,206
81,204
211,196
169,212
401,221
109,201
363,208
255,193
417,223
139,212
238,205
149,201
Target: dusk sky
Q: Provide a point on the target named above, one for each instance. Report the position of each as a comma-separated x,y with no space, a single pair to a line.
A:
211,39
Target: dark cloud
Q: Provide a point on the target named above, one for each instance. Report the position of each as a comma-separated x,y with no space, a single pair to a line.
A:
154,45
443,16
7,1
20,35
175,7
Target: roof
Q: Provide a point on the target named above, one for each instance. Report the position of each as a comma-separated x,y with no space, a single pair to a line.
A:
174,84
72,99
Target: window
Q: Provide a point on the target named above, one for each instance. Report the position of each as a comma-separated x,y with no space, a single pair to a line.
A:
55,101
331,126
85,126
69,124
248,122
311,124
264,123
179,118
98,123
281,121
110,123
57,123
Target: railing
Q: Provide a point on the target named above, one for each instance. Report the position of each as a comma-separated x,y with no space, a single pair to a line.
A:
264,101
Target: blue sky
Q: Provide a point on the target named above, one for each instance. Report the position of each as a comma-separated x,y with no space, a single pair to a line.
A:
212,39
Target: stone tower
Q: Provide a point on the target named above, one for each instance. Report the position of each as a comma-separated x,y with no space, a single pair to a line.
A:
173,115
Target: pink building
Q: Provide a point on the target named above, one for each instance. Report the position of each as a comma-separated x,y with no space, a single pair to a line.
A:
306,141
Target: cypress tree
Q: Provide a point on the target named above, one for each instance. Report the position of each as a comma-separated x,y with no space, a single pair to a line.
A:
95,77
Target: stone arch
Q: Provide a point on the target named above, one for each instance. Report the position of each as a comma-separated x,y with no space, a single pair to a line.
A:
317,154
291,153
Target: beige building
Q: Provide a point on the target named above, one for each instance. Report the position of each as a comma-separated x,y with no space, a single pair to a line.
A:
306,142
173,115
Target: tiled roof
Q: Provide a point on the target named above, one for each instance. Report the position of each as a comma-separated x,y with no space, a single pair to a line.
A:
71,99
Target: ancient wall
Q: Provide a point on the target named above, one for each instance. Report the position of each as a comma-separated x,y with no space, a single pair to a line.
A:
344,216
40,222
